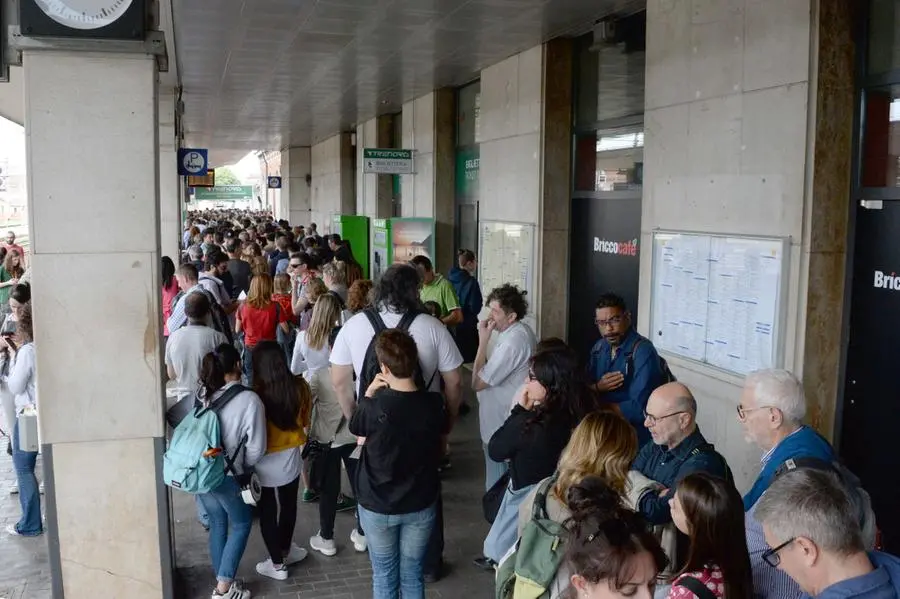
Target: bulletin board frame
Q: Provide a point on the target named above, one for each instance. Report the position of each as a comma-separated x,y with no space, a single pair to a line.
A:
764,309
484,226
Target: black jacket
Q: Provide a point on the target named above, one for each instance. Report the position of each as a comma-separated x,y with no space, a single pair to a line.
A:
531,447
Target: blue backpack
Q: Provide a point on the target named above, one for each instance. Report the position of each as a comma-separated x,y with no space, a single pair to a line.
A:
196,462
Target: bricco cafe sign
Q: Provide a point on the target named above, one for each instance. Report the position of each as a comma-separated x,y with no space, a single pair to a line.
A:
388,162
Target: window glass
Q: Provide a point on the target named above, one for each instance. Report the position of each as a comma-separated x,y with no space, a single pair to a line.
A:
468,117
881,138
610,160
884,36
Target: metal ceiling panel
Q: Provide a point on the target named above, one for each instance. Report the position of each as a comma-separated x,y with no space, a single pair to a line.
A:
264,74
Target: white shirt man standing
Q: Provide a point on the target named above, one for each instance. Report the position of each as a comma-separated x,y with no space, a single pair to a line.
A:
187,346
498,379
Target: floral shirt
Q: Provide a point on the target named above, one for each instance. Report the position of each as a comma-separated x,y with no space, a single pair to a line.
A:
711,576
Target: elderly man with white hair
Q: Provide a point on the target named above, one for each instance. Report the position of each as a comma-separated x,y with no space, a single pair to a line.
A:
814,537
771,411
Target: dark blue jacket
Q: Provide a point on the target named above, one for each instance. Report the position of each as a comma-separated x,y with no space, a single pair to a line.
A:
666,467
881,583
642,375
470,300
805,443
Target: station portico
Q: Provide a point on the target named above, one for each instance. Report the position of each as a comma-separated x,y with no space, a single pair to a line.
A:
595,126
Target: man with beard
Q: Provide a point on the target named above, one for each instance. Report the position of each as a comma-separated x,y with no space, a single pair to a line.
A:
624,366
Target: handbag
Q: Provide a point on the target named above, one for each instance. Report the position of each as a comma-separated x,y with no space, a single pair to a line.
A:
490,502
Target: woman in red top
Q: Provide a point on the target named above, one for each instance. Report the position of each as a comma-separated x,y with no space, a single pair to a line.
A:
710,511
169,290
258,318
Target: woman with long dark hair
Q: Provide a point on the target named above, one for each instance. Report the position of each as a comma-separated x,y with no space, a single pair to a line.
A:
531,441
10,273
242,424
18,298
610,551
710,511
169,290
287,402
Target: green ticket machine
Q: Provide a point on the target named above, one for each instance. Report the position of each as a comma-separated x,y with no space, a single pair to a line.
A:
354,229
381,246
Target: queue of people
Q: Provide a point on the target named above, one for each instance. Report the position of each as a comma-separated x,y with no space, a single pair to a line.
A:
598,480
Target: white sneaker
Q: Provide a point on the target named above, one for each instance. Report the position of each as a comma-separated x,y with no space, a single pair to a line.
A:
41,489
323,546
359,541
14,489
296,555
236,591
267,568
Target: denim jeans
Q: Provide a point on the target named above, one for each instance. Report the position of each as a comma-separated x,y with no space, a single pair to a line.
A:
29,498
202,516
230,521
493,471
397,546
505,529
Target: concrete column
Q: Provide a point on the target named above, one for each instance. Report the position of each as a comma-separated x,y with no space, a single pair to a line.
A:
373,192
95,234
429,129
170,224
556,185
748,132
295,168
333,180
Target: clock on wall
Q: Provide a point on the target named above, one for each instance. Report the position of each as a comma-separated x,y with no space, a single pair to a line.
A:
86,19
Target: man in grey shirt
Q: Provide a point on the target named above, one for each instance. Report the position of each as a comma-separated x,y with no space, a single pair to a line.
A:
188,345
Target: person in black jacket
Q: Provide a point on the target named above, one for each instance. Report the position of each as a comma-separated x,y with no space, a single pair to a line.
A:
532,438
397,482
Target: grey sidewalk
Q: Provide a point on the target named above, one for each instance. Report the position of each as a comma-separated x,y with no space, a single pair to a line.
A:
25,570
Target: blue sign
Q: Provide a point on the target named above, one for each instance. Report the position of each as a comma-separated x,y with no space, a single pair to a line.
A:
192,162
274,182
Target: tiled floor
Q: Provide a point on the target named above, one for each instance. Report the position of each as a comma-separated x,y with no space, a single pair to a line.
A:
25,572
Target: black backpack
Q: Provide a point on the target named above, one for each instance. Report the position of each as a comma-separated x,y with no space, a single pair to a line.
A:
220,320
667,376
370,366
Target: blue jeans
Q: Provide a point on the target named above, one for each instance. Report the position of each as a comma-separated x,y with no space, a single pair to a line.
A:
202,516
29,498
493,471
230,521
397,545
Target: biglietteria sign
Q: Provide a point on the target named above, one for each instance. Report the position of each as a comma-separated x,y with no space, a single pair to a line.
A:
387,161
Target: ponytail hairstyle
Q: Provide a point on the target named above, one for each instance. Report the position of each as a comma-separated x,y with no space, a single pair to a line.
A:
224,360
606,536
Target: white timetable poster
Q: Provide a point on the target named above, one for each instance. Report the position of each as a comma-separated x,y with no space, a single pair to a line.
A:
506,255
718,299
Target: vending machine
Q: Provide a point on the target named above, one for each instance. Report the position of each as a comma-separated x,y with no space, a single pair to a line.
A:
381,246
354,229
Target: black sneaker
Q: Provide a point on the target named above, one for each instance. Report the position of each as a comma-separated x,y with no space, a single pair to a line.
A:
345,504
485,563
445,464
434,576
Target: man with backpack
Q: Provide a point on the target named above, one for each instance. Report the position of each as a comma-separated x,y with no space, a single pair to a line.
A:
396,305
624,366
772,409
188,281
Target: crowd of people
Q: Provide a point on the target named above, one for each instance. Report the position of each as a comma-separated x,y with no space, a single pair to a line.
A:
598,481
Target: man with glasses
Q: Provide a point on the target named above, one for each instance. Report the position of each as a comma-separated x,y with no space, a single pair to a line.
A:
809,522
624,366
678,449
771,412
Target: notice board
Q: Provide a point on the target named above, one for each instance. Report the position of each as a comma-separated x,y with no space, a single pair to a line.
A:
718,300
506,255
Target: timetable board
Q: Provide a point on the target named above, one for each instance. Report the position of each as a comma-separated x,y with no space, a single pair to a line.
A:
506,255
718,299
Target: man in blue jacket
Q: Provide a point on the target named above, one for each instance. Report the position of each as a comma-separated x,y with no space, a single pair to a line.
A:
814,537
624,366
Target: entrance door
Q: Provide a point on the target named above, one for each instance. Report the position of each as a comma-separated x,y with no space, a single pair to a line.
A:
872,388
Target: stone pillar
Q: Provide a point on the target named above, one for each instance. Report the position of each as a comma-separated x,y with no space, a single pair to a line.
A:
333,180
373,192
170,225
295,168
429,129
95,234
556,185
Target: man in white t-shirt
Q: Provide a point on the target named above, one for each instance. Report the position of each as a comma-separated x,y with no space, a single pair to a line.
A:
496,380
396,293
187,346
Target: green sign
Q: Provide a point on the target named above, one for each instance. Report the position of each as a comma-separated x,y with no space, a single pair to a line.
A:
387,161
224,193
468,165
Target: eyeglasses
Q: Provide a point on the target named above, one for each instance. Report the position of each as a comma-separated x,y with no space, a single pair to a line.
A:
295,265
654,419
609,322
742,411
771,556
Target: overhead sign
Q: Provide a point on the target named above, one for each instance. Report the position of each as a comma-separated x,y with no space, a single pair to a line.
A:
207,180
274,182
387,161
219,193
192,161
